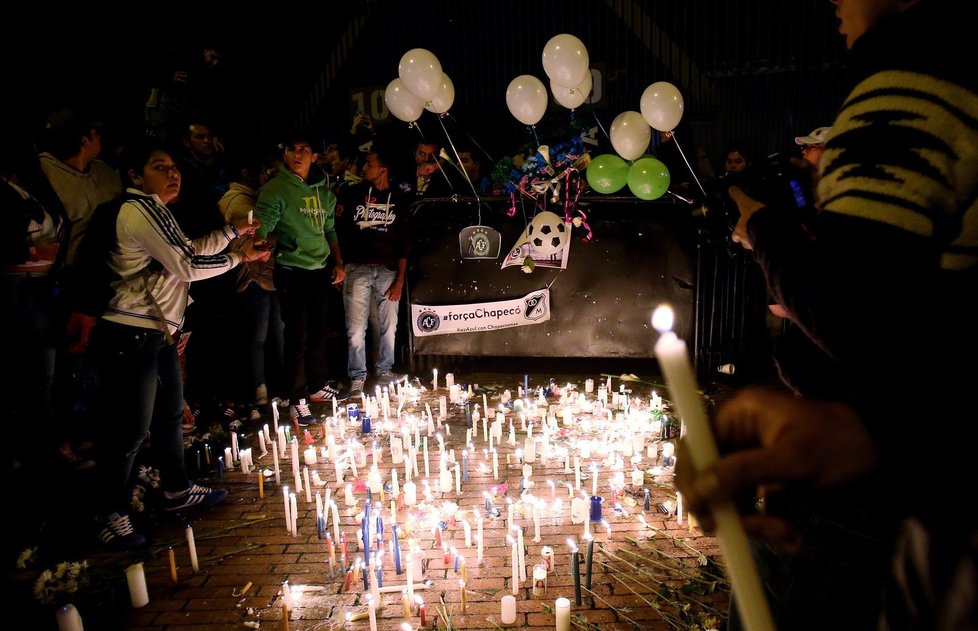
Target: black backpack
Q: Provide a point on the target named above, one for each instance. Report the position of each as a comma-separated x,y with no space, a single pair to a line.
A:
90,281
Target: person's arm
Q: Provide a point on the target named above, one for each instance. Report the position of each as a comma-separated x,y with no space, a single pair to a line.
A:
268,211
393,292
160,236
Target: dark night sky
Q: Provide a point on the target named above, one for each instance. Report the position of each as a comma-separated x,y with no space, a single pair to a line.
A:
767,53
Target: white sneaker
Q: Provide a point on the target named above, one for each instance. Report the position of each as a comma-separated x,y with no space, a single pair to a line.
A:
261,395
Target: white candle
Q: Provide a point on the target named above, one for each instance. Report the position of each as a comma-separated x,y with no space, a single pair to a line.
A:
336,522
594,480
449,380
288,509
577,473
305,479
521,549
410,493
309,456
295,514
69,619
468,533
562,607
424,445
192,547
508,614
679,508
445,481
228,458
514,561
495,465
672,356
234,445
434,380
371,609
638,477
278,472
458,479
348,498
261,441
136,580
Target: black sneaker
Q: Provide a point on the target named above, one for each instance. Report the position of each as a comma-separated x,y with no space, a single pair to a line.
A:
326,394
193,497
390,377
115,531
302,415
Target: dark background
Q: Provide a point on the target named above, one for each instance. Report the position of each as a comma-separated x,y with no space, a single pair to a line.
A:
762,71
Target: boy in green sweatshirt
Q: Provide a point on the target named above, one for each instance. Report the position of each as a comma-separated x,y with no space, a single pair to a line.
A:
297,208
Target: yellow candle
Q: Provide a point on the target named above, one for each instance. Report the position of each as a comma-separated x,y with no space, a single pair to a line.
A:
173,565
261,485
461,586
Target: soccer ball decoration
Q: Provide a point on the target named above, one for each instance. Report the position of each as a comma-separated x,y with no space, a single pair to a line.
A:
546,234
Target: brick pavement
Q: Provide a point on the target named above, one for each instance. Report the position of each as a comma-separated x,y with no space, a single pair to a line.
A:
244,541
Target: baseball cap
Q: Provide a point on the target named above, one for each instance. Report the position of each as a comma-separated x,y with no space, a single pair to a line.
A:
817,136
70,120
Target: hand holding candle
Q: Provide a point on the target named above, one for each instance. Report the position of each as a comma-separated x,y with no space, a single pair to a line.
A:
672,356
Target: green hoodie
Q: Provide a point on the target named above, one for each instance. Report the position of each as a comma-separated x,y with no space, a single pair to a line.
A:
301,215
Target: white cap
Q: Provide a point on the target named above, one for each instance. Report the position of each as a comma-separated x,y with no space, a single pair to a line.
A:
818,136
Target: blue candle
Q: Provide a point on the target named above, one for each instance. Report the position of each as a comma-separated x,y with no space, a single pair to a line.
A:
365,424
526,388
595,509
468,417
380,576
576,571
369,499
465,465
380,528
365,526
321,527
587,567
397,551
456,562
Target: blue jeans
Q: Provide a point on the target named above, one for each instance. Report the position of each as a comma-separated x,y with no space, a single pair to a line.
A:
141,392
365,284
263,328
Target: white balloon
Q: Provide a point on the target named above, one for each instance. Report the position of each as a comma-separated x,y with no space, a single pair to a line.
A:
565,60
630,135
662,105
443,99
401,102
526,98
420,71
572,97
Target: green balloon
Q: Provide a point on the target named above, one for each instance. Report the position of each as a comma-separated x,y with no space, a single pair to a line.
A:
607,173
648,179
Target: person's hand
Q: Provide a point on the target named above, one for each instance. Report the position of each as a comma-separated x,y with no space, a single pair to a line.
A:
426,169
79,328
747,206
774,440
393,292
253,254
242,227
338,274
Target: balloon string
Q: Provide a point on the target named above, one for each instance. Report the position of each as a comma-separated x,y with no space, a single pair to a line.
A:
417,126
458,165
469,136
533,128
691,171
600,126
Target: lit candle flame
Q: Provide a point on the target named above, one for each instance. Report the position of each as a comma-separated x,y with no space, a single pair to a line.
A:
662,319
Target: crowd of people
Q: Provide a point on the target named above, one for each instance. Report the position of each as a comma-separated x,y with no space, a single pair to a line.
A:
846,506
